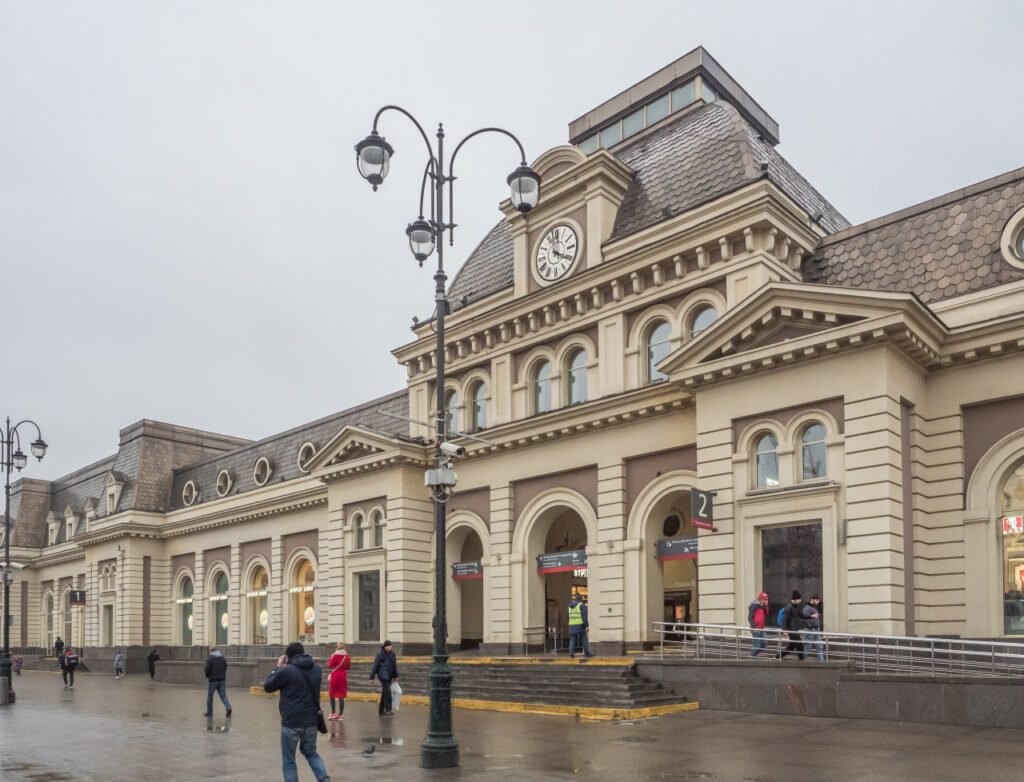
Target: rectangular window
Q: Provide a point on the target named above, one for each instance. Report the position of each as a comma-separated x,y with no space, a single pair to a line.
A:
790,560
657,109
684,95
633,123
369,606
707,91
1013,574
611,135
588,144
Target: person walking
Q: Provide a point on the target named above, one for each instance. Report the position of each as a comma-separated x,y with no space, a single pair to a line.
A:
337,684
757,618
151,659
792,623
216,675
297,678
58,648
18,662
579,624
68,663
815,625
119,664
385,670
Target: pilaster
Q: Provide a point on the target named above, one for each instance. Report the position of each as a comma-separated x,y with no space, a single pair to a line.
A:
607,607
497,569
408,581
235,597
277,593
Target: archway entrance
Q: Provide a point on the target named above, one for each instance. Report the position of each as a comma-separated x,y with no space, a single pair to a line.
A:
669,570
557,550
465,552
1012,539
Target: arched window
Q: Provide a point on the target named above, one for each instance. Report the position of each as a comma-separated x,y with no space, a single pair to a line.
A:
184,603
577,374
303,592
815,459
478,413
219,608
766,458
658,346
451,412
360,532
66,622
259,616
49,619
1012,506
377,522
542,387
702,318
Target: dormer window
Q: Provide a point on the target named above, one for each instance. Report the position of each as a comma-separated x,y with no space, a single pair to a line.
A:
69,532
112,487
111,502
190,493
261,471
53,529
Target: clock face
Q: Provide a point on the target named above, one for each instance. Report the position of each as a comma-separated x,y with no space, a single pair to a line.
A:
557,252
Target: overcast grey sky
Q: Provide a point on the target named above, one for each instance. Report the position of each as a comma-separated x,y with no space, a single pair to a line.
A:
184,236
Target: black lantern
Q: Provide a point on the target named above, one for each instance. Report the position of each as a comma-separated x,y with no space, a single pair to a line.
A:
524,184
421,239
20,460
373,158
39,449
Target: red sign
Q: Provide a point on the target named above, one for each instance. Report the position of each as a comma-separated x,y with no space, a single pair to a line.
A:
1013,525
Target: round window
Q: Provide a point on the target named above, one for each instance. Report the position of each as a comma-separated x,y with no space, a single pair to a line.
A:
306,452
223,483
672,525
190,493
1018,246
261,471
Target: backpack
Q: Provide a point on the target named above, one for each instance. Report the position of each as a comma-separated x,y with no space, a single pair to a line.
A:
780,618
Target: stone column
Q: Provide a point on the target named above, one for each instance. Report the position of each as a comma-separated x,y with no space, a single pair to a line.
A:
200,605
607,606
716,569
235,597
498,573
277,593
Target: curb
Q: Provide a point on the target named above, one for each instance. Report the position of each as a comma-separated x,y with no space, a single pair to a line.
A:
597,713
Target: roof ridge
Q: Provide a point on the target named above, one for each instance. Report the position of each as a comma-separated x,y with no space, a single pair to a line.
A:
945,199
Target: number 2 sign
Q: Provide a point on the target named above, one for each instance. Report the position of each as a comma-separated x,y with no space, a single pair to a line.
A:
702,509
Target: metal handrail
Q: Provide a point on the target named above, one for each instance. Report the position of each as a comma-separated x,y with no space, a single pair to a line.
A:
876,653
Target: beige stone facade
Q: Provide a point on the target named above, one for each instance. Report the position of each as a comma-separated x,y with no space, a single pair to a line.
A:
854,397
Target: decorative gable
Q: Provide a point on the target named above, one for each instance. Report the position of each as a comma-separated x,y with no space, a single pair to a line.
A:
71,518
90,512
53,522
113,484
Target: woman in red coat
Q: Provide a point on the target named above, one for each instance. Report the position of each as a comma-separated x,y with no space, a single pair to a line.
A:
337,685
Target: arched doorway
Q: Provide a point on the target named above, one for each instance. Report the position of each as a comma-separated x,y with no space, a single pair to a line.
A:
258,616
303,602
465,552
1011,502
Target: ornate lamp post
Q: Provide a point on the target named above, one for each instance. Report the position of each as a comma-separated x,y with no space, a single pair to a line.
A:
11,456
426,233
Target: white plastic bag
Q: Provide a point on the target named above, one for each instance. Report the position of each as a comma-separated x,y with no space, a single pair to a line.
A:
396,696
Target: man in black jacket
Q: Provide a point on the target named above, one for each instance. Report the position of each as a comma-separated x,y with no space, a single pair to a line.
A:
216,676
385,670
297,678
793,624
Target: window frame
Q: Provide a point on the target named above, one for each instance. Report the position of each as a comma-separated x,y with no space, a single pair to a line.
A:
571,371
804,444
647,345
535,385
757,453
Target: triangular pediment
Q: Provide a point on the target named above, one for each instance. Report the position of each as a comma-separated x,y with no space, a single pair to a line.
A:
351,444
794,321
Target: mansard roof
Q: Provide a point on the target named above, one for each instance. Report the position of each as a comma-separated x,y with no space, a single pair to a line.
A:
944,247
282,450
697,157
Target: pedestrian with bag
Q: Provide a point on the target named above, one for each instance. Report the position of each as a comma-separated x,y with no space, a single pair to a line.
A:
68,663
792,623
579,624
337,685
385,670
757,618
297,678
119,664
151,660
216,670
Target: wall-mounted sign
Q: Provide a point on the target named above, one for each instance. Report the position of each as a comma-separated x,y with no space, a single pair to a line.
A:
677,548
309,616
78,597
467,571
702,508
264,618
562,561
1012,525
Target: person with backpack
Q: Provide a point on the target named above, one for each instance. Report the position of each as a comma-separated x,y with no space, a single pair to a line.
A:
297,679
119,664
757,618
790,620
68,663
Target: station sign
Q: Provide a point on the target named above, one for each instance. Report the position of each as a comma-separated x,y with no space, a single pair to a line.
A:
702,508
562,561
676,548
468,571
78,597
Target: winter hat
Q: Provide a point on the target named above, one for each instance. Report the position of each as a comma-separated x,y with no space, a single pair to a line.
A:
763,596
294,648
796,596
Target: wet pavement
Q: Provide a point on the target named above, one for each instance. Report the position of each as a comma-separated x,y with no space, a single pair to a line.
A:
131,729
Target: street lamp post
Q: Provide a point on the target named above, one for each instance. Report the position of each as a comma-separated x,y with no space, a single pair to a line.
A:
11,456
426,232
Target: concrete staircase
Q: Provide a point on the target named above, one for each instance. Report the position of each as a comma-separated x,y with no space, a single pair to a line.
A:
601,685
40,663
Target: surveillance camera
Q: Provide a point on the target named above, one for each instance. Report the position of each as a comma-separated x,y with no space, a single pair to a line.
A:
451,449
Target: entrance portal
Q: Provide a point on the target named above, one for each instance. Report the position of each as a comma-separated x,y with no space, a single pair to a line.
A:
563,566
465,553
669,566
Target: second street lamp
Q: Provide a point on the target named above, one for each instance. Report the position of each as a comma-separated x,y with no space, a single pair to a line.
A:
426,234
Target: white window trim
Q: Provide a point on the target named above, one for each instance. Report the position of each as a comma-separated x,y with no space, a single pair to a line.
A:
303,462
190,493
256,469
227,483
1011,234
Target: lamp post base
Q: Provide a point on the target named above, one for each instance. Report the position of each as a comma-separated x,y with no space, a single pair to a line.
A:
439,754
5,673
440,749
